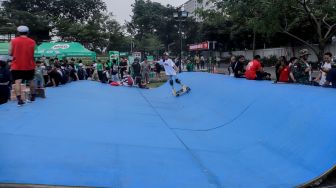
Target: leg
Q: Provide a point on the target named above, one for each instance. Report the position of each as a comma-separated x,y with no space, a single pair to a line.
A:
32,90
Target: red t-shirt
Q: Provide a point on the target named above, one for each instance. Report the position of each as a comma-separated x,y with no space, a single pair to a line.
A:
23,53
284,74
251,69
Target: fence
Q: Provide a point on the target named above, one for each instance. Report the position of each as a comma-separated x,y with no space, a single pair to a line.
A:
284,51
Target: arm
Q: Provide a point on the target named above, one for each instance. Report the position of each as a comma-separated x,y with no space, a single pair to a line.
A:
10,50
292,77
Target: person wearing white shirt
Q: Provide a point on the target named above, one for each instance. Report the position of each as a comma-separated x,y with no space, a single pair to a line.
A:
171,71
321,79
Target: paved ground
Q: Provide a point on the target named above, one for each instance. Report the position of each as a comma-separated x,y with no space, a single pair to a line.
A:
226,133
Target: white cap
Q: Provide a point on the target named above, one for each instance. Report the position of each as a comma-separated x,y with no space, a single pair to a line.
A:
81,64
166,54
23,29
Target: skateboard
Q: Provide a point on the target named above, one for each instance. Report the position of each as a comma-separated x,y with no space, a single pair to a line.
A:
185,89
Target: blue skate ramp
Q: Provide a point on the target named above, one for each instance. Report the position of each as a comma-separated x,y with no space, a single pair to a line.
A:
225,133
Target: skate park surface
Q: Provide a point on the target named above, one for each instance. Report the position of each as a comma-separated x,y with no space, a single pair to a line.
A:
225,133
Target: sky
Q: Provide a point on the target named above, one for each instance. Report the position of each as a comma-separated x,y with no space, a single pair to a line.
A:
122,8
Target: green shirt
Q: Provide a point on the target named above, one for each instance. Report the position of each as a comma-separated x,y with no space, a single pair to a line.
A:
99,67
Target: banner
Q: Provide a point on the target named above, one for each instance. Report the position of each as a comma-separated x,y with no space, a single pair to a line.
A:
200,46
114,55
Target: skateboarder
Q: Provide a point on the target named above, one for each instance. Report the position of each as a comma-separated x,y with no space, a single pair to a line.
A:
171,70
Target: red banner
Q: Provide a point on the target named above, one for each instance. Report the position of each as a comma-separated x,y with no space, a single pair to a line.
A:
200,46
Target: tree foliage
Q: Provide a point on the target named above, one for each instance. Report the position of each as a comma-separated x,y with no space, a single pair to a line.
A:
307,21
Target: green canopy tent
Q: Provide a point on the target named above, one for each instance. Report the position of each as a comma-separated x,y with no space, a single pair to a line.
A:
63,49
4,46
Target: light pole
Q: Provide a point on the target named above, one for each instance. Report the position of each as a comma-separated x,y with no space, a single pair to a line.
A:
181,15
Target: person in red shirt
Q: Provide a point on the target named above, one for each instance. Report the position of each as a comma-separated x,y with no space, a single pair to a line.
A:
284,72
23,64
253,68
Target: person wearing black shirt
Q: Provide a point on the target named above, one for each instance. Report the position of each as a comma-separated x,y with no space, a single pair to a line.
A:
137,71
4,82
238,67
123,67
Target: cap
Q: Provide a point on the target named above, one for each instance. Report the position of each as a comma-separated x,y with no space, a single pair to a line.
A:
166,54
23,29
81,64
304,52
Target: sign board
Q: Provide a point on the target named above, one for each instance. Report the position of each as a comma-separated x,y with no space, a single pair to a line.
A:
61,46
130,60
200,46
123,54
150,58
114,55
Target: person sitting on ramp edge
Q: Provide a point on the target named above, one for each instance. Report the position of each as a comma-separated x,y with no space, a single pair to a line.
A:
171,69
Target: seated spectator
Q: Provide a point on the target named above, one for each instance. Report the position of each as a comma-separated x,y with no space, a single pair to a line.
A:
283,72
233,61
262,74
280,64
4,82
106,75
82,75
73,73
325,68
238,67
55,77
331,78
301,69
253,68
127,80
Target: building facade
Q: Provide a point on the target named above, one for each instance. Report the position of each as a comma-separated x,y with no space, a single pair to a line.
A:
192,6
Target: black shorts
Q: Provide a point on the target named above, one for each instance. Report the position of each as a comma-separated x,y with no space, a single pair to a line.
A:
23,74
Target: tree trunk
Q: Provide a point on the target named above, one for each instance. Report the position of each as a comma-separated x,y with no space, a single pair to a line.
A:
321,49
254,43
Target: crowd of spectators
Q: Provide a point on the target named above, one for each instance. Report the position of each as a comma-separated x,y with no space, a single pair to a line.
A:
295,70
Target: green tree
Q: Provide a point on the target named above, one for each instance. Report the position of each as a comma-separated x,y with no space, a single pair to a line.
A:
295,18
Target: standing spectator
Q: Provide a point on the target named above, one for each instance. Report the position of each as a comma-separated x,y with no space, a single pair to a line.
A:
202,62
122,67
158,71
100,70
233,61
301,69
38,78
281,62
325,68
114,71
45,73
197,61
136,66
4,82
23,65
238,67
145,70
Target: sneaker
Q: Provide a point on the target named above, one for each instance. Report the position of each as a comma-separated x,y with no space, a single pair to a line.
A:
21,103
32,98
